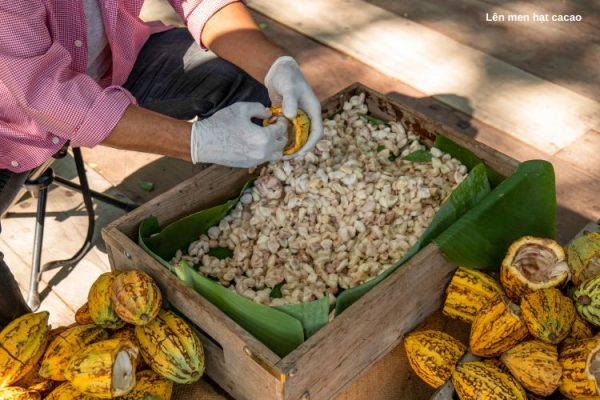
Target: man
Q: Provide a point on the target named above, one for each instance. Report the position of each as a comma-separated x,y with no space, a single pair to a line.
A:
90,72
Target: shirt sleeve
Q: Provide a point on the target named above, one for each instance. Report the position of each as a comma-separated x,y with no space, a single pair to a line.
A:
196,13
38,82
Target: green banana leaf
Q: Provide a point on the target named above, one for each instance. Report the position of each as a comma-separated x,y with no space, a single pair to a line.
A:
470,192
313,315
523,204
420,156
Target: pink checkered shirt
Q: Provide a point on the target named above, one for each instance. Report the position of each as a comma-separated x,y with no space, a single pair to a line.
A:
45,96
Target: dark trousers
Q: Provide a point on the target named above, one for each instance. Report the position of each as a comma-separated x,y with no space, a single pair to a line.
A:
172,76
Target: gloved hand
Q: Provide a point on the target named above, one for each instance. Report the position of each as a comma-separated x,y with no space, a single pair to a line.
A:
230,138
287,86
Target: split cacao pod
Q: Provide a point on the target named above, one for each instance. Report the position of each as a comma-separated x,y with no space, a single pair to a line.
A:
128,333
18,393
548,315
100,303
104,369
497,327
433,355
66,391
477,380
583,256
65,346
580,362
532,264
587,300
298,129
135,297
535,365
23,343
468,291
171,348
150,385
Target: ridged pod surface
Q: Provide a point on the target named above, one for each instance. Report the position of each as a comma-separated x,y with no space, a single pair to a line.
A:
104,369
33,381
298,129
23,343
433,355
18,393
100,303
65,346
478,381
82,315
531,264
583,256
587,300
548,315
497,327
135,297
150,385
580,365
580,329
535,365
468,291
171,348
66,391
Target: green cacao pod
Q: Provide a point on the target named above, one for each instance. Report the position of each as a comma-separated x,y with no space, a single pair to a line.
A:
548,314
587,300
583,256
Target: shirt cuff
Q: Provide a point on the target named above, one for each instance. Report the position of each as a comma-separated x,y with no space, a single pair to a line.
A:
202,13
103,116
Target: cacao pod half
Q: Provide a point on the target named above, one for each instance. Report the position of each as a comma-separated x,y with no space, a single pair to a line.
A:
531,264
171,348
100,302
128,333
82,315
583,256
150,385
18,393
135,297
535,365
66,391
298,129
468,291
104,369
587,300
478,380
433,355
23,342
580,362
548,315
65,346
497,327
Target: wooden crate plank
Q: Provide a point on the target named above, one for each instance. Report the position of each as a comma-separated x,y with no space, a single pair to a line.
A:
537,111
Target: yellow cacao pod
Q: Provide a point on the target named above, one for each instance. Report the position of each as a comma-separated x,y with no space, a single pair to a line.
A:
135,297
66,391
100,302
33,381
298,129
548,315
128,333
23,342
478,380
468,291
82,315
104,369
497,327
18,393
580,362
433,355
580,329
171,348
583,256
535,365
531,264
150,385
65,346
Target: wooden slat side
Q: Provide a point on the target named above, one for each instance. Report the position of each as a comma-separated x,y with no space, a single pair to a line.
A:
369,328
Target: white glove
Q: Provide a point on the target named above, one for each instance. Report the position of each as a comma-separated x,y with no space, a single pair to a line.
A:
230,138
287,86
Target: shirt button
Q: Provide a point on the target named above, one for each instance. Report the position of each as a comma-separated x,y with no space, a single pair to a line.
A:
78,43
55,140
14,163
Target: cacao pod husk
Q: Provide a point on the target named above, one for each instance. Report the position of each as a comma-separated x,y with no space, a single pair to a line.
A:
66,391
532,264
18,393
548,315
171,348
104,369
580,362
298,129
433,355
135,297
468,291
128,333
65,346
535,365
82,315
150,385
100,303
497,327
477,380
587,300
583,256
23,342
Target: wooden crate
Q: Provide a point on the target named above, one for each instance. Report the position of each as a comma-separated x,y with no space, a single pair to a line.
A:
341,351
